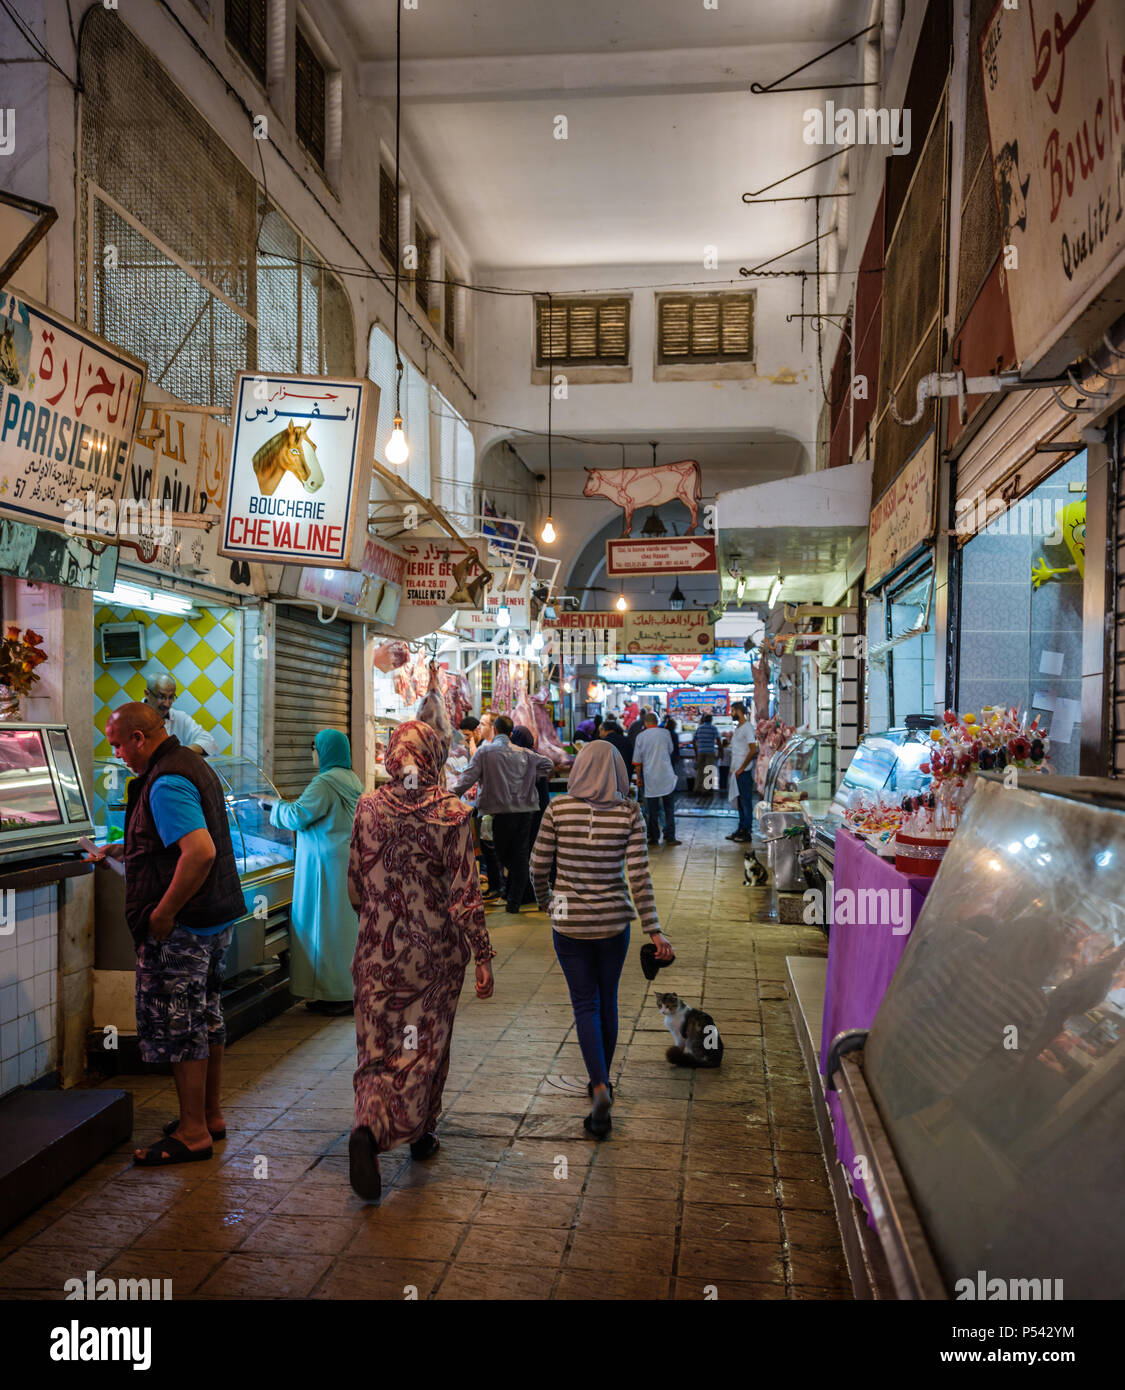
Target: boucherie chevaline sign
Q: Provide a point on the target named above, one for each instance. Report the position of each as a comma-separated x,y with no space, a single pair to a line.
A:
300,469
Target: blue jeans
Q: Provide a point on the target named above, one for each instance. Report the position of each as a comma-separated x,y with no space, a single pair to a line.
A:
592,970
746,791
652,815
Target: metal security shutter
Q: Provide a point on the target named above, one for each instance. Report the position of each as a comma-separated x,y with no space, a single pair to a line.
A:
312,691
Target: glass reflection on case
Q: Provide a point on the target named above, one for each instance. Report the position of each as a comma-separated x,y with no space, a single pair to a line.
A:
27,794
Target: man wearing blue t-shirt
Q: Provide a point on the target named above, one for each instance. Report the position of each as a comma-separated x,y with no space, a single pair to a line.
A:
182,898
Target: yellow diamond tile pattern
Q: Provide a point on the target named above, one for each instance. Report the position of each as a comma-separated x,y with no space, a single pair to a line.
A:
198,652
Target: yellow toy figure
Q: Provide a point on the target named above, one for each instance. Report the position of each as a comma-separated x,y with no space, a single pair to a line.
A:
1072,521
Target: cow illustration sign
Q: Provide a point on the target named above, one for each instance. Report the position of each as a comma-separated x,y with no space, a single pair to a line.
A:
631,488
300,470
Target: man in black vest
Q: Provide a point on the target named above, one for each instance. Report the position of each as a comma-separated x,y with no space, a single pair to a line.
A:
182,898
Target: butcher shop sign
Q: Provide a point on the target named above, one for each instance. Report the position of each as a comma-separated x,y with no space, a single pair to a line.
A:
69,403
300,470
1054,85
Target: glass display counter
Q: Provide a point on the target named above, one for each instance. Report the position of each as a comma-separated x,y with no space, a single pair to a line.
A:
802,776
263,853
43,806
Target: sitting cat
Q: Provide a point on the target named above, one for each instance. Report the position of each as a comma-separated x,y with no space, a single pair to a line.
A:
754,875
696,1034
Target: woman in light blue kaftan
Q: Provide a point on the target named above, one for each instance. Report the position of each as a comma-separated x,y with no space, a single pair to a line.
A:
324,923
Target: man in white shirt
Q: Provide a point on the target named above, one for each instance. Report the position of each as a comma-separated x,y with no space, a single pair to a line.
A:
740,789
652,754
160,693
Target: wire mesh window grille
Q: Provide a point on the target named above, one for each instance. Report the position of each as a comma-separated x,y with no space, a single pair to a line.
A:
706,328
311,89
582,331
388,215
182,259
247,25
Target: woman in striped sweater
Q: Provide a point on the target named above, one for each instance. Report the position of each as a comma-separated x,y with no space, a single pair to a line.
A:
597,836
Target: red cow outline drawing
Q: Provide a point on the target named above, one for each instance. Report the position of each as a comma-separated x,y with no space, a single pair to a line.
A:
631,488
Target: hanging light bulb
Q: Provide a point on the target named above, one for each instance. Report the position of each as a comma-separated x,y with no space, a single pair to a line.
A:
503,616
537,642
513,645
548,535
397,450
621,604
739,589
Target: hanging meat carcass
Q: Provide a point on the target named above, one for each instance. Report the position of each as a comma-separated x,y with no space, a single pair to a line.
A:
546,735
432,710
502,694
523,714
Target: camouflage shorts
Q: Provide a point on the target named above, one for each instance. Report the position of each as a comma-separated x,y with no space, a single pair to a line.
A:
179,996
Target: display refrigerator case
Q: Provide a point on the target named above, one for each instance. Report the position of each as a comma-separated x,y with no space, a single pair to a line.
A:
43,805
802,776
888,763
994,1072
263,853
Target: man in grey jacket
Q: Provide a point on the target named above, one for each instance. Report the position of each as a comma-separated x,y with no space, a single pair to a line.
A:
507,777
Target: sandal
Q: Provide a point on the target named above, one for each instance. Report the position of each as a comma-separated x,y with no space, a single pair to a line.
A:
425,1147
363,1165
165,1152
218,1135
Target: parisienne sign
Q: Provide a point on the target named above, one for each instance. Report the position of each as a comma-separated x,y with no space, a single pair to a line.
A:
68,415
1054,86
300,469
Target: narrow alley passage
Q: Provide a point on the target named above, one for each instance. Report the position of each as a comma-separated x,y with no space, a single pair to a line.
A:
712,1184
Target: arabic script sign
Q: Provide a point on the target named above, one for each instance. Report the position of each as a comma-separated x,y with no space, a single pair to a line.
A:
68,413
666,555
903,518
669,632
300,469
1054,86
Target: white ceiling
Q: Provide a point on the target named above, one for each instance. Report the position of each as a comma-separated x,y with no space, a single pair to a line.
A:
664,135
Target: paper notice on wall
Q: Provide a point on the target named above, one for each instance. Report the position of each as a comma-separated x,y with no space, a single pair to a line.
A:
1051,664
1065,714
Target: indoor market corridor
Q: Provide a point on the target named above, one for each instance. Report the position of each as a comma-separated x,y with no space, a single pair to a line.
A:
710,1181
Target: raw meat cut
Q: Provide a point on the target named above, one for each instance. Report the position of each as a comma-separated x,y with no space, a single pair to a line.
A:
432,710
522,714
546,735
388,656
502,694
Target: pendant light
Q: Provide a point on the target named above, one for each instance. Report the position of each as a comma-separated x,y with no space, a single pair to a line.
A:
397,450
549,535
676,599
621,605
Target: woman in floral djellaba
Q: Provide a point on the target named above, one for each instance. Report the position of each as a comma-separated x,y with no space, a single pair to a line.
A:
412,878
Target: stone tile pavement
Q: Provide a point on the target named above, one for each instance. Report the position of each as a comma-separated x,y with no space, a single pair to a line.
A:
712,1183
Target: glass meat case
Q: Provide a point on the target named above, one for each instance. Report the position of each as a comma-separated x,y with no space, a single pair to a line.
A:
802,776
258,846
997,1057
43,806
890,763
264,855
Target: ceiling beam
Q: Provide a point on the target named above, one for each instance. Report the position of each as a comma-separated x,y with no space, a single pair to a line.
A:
537,77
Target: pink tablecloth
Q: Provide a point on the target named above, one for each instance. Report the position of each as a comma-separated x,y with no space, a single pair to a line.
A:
863,953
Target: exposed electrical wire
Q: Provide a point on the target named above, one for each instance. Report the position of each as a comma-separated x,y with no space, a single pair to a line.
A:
27,33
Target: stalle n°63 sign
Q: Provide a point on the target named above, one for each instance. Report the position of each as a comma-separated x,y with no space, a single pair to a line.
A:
299,475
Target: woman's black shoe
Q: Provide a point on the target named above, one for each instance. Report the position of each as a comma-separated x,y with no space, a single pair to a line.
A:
590,1088
425,1147
363,1165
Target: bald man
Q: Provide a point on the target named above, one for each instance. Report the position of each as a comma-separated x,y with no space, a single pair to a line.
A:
159,695
182,898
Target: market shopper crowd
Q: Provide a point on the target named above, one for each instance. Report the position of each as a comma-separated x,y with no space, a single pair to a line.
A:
386,883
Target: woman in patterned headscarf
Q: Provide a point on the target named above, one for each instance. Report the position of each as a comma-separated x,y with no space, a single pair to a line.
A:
412,878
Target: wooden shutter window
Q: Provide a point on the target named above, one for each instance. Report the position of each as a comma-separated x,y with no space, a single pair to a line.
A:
311,90
246,25
582,331
424,242
449,328
706,328
388,215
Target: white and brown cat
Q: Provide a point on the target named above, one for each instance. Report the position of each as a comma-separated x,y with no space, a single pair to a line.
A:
696,1035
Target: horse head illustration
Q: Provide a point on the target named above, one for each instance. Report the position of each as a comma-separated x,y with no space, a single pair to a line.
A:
289,451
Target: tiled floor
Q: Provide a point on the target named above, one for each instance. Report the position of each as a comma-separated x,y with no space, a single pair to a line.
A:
711,1185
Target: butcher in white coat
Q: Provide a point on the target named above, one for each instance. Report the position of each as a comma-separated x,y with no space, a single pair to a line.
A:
160,693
